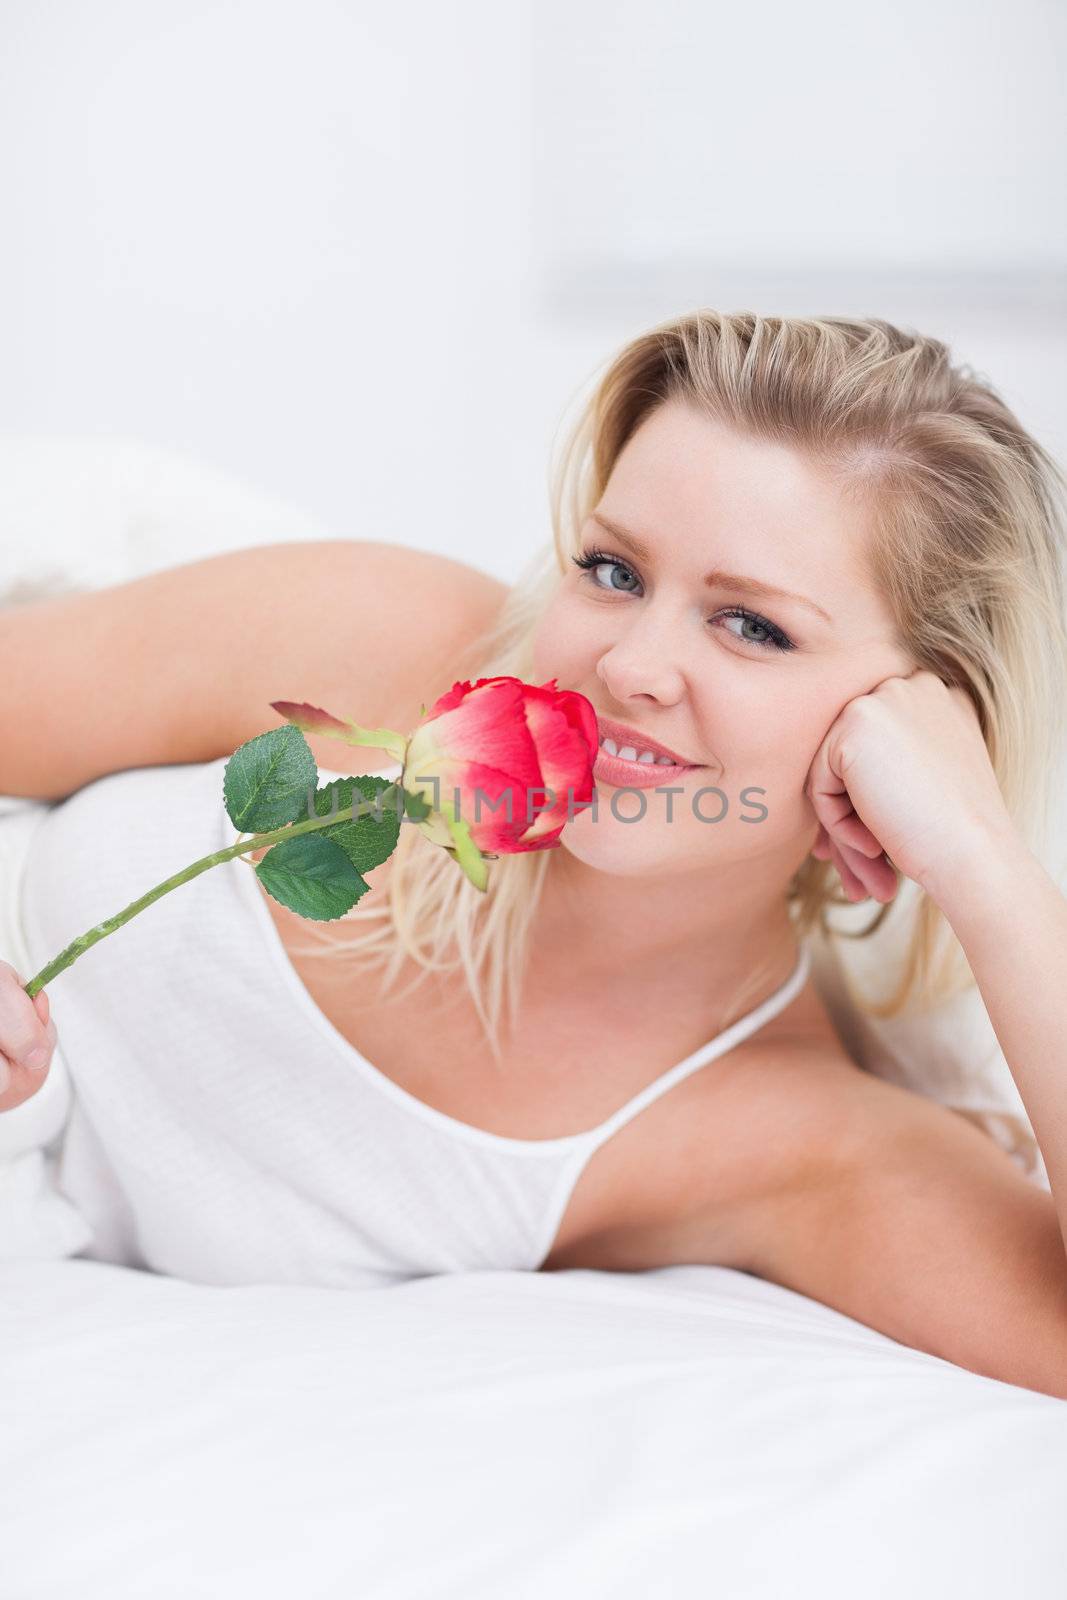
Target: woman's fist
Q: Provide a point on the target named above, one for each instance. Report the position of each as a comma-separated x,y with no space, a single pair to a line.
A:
27,1040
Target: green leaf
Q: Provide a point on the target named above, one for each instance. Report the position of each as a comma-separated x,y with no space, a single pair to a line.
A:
416,806
366,841
313,719
312,876
266,781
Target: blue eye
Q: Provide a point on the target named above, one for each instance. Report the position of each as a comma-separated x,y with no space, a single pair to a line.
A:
775,639
775,635
589,560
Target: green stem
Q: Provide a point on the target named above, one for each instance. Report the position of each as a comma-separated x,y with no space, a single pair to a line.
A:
259,841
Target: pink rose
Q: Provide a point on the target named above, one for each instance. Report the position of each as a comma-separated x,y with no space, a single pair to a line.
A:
501,737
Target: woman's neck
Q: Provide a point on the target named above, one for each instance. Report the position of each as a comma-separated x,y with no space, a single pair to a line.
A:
645,945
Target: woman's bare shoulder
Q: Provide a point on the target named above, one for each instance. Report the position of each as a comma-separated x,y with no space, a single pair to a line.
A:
376,630
181,665
902,1214
690,1173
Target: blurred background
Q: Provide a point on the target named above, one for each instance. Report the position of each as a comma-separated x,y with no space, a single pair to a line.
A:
276,271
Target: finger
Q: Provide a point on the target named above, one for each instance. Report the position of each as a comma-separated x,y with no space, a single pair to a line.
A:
861,875
838,822
21,1028
871,878
834,810
19,1082
821,848
837,815
852,885
879,875
856,834
877,879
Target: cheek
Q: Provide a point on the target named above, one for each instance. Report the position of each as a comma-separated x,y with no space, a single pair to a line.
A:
560,645
771,740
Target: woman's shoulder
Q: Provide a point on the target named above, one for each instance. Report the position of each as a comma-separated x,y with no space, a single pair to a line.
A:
186,661
696,1165
371,632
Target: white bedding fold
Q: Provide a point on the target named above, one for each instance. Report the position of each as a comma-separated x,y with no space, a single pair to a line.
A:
36,1220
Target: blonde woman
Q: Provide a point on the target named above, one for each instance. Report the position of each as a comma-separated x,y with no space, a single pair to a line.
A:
788,554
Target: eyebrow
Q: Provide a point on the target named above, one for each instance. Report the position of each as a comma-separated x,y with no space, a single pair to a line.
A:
717,577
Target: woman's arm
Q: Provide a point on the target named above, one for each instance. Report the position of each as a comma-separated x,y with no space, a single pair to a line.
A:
181,665
886,1206
907,1217
1011,921
904,774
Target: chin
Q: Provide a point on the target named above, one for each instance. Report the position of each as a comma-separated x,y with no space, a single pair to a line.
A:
622,849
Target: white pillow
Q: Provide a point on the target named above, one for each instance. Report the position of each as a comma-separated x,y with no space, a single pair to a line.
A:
83,513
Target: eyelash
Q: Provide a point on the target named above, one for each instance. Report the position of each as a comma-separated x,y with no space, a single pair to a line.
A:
591,559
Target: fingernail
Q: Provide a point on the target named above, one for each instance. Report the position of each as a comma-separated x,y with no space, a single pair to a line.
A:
37,1058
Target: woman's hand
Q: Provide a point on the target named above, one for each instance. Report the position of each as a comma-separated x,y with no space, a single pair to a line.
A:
25,1028
903,776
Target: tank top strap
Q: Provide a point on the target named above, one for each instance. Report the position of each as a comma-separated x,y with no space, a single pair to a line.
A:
738,1031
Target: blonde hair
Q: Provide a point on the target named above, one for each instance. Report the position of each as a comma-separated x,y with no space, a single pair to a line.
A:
967,511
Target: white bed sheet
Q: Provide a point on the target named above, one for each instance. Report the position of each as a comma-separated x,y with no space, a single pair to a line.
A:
687,1432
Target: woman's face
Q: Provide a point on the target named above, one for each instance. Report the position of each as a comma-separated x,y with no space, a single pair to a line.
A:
653,639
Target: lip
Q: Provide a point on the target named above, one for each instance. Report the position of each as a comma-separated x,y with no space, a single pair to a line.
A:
621,774
622,735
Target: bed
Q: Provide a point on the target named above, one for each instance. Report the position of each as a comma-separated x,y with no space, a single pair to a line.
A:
675,1433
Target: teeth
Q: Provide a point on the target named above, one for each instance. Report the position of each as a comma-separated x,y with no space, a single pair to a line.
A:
628,752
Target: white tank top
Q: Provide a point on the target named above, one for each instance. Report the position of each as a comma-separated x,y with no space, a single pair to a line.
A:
221,1129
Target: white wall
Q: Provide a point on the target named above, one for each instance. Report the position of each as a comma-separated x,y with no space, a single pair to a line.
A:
364,257
922,131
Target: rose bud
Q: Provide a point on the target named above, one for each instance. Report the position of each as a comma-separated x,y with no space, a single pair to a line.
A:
497,739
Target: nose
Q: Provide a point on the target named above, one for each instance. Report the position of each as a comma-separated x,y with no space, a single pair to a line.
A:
641,663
